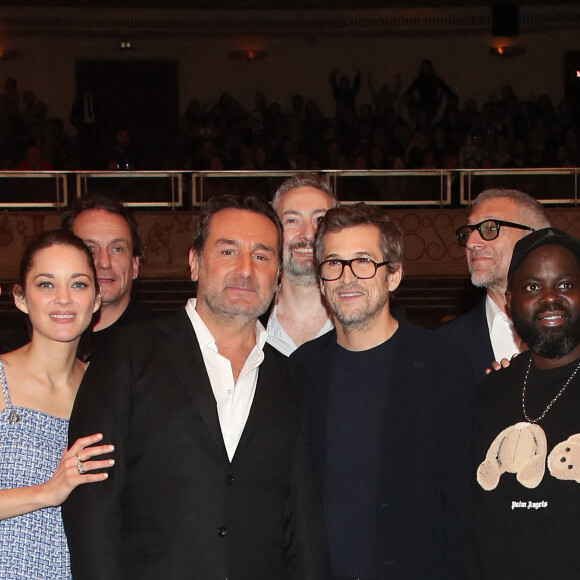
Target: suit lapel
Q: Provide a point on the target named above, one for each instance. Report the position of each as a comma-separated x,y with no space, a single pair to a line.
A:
478,343
179,343
265,397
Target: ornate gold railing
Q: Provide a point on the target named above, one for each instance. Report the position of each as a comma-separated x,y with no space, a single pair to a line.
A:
186,190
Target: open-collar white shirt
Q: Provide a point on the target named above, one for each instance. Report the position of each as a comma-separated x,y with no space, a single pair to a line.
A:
233,398
504,338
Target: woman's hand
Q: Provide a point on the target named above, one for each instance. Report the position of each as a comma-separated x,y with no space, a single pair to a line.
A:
68,474
75,466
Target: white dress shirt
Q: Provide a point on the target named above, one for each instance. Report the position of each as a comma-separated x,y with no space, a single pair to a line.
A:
504,338
280,339
233,399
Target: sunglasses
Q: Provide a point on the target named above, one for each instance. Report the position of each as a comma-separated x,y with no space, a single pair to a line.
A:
488,230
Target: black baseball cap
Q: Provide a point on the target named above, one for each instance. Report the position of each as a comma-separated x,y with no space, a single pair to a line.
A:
543,237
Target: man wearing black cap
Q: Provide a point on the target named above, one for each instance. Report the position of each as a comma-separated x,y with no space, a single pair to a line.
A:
527,514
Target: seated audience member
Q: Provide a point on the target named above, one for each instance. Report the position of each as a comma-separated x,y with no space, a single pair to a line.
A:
58,290
34,161
123,156
528,444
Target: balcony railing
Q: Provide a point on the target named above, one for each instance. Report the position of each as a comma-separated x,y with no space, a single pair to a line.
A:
186,190
30,189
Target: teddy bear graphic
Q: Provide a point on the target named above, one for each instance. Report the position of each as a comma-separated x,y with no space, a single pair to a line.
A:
564,459
521,449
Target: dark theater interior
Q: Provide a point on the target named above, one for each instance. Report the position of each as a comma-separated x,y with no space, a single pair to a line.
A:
274,274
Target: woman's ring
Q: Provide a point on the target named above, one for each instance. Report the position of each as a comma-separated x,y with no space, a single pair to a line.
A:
80,467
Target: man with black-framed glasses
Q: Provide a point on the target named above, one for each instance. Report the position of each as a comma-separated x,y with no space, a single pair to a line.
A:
498,219
389,413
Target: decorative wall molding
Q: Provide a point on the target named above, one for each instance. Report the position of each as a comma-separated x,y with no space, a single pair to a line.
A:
435,282
431,249
32,21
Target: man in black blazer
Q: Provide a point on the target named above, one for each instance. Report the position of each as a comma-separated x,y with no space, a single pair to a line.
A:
390,415
212,478
498,219
470,333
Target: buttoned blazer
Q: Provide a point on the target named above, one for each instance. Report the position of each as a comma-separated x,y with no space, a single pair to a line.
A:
173,505
422,507
469,334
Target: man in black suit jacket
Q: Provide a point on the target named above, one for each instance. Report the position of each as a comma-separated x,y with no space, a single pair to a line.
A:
390,415
470,333
212,477
498,219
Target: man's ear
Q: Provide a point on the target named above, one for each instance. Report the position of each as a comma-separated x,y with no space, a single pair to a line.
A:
98,301
135,265
194,260
508,303
394,279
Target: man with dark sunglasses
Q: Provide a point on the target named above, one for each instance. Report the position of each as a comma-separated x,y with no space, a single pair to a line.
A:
498,219
390,414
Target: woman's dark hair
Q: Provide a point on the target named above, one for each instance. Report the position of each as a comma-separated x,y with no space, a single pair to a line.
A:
47,240
41,242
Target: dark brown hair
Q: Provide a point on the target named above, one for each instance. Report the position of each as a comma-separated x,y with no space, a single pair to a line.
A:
253,203
47,240
361,214
111,205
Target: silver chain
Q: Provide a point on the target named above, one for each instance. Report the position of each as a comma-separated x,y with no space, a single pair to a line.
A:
558,395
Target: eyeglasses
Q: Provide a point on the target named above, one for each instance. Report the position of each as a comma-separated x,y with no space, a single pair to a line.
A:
362,268
488,230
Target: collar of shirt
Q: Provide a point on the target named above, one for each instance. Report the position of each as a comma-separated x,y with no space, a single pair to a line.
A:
233,398
205,337
281,340
504,339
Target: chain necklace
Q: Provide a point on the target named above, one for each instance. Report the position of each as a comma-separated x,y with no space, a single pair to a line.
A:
558,394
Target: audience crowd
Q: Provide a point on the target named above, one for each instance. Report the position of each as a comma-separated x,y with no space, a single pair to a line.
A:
422,126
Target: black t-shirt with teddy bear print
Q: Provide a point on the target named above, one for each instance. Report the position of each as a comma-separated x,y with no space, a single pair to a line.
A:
527,490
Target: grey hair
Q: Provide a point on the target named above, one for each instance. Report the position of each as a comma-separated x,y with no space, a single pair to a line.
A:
312,180
531,212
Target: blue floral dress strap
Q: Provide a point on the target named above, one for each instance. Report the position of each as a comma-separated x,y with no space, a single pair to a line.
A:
5,386
13,416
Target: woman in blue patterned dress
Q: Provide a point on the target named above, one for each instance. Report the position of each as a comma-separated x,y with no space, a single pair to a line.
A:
58,290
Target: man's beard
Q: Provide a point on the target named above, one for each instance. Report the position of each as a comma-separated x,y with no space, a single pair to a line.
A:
485,279
301,273
362,318
227,310
552,343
